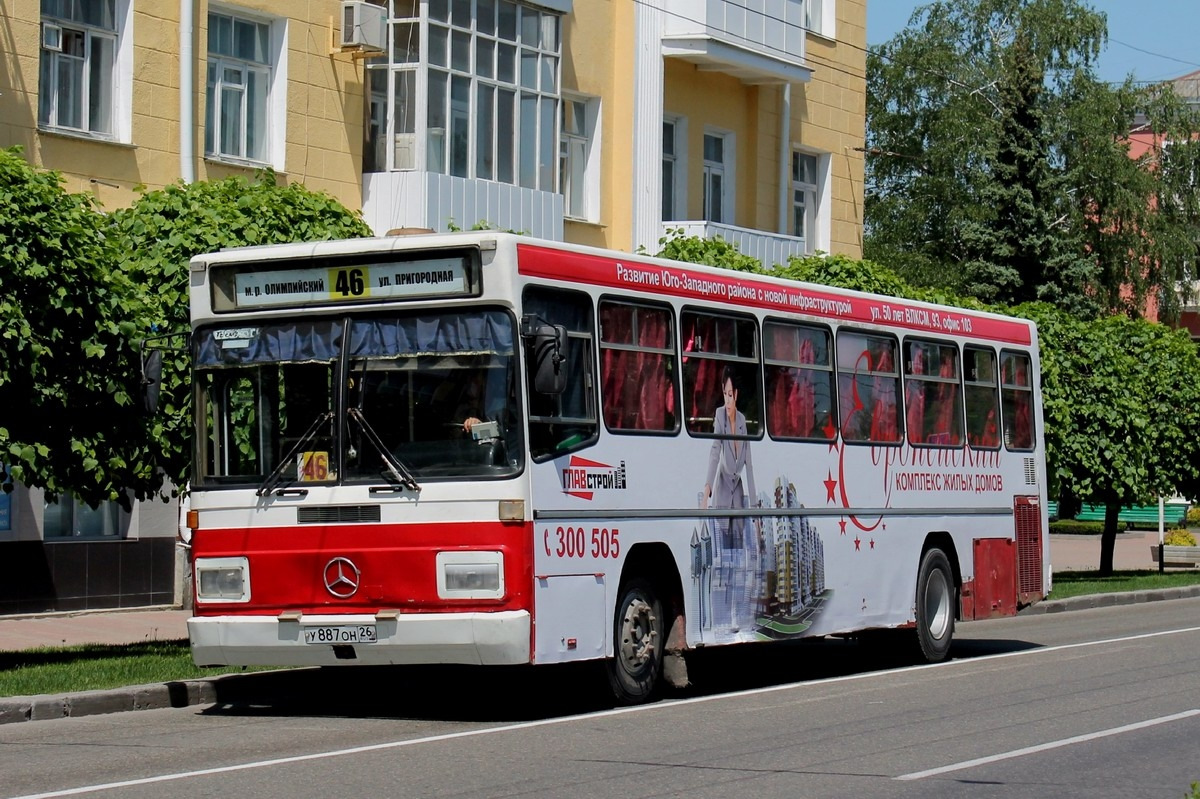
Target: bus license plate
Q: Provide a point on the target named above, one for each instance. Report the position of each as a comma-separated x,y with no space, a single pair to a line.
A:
340,634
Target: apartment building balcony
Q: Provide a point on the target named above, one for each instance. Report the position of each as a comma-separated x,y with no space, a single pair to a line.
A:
769,248
757,41
416,199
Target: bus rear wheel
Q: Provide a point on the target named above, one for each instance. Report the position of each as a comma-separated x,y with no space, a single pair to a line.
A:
935,606
635,670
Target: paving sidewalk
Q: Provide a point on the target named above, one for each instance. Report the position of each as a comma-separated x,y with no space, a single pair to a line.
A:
1067,553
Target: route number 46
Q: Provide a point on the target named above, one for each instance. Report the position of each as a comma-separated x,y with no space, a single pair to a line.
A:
574,542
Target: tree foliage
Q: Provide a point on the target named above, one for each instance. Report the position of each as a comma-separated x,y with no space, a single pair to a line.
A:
159,234
999,166
68,375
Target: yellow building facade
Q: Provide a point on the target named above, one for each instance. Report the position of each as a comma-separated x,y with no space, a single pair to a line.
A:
604,123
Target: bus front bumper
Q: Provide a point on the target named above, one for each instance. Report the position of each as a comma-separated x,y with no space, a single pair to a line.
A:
488,639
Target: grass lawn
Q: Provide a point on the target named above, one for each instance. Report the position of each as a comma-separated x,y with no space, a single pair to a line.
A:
83,668
1078,583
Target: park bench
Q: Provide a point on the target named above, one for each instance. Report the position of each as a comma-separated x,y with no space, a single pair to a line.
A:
1174,514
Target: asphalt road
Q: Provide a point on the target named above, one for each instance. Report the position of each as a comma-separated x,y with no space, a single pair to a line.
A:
1094,703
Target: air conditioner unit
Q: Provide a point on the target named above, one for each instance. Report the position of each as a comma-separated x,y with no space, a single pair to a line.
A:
364,26
51,37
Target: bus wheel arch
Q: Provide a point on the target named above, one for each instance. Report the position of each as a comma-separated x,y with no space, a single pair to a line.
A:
648,625
936,597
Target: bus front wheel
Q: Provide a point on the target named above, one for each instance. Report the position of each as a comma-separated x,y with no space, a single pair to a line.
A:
935,606
636,666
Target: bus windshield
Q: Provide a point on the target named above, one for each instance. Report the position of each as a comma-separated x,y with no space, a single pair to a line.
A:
434,391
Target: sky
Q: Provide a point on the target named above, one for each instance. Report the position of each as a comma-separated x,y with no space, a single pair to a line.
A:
1152,39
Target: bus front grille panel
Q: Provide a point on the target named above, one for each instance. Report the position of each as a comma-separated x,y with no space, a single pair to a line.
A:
333,514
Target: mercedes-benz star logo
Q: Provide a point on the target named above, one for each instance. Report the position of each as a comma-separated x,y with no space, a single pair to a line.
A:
341,578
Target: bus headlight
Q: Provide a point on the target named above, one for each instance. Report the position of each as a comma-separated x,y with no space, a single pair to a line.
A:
470,575
222,580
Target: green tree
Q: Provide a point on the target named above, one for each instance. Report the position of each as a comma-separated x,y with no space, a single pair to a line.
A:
1121,411
999,166
159,234
68,372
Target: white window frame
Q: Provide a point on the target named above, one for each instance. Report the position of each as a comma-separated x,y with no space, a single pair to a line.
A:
273,72
678,200
535,154
817,200
120,83
820,17
580,202
724,168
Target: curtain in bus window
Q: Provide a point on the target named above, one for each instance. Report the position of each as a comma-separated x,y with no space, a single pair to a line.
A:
883,414
981,401
701,336
616,327
914,395
656,407
474,333
292,342
782,389
947,427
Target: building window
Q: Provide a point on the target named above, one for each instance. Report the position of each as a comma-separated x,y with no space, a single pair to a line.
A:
716,147
577,170
69,518
237,116
819,17
491,108
670,166
805,190
78,65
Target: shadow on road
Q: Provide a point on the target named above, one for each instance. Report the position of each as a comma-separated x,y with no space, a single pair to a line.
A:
526,693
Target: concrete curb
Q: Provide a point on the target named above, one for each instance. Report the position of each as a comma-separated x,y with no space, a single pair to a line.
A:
111,700
1089,601
234,687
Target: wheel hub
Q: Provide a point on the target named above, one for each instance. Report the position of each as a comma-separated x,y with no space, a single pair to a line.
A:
638,634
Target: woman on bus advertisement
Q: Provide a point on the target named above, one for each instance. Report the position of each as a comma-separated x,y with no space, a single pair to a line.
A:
736,540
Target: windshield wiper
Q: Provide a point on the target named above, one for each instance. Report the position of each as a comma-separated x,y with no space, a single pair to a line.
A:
276,475
396,470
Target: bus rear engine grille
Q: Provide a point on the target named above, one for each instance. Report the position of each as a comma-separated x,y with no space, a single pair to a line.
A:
334,514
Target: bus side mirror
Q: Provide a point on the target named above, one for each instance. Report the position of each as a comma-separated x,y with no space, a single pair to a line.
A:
152,365
548,354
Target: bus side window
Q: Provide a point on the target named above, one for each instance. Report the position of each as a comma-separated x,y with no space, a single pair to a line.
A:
566,422
868,388
983,402
1016,400
799,382
637,367
720,366
932,400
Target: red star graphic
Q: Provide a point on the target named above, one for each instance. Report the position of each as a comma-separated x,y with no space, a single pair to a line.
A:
857,544
829,430
842,526
830,485
872,543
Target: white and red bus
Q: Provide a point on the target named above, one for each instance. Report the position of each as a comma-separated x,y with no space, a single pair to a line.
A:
483,448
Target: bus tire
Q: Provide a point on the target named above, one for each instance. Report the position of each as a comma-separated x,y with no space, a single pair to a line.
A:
935,606
635,670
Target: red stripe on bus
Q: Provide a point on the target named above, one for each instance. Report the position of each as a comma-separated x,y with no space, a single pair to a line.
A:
396,565
680,281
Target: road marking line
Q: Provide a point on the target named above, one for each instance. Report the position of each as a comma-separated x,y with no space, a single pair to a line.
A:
182,775
1029,750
